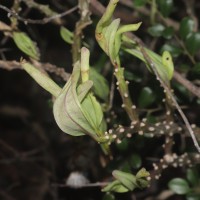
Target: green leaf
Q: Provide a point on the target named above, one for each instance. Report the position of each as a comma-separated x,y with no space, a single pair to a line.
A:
42,79
168,64
123,146
174,50
179,186
127,179
193,196
130,76
25,44
168,32
142,173
115,186
146,97
186,27
193,42
193,176
100,85
66,35
156,30
135,161
165,7
93,112
139,3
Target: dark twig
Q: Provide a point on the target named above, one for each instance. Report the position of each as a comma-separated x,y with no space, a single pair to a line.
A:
42,21
186,83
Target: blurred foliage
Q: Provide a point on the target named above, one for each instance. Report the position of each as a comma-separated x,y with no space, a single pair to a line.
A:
146,136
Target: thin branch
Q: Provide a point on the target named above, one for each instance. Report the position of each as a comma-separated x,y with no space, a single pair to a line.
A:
42,21
11,65
186,83
168,91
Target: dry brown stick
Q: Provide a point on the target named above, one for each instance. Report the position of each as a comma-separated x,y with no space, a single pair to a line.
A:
186,83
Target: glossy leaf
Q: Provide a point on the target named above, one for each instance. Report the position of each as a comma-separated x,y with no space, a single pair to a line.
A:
193,42
156,30
66,35
168,32
165,7
179,186
193,176
174,50
135,161
146,97
186,27
25,44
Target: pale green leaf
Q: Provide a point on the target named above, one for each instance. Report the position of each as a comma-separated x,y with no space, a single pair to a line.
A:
42,79
66,35
25,44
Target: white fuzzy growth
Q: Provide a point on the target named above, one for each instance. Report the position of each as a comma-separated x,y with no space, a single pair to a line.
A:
76,180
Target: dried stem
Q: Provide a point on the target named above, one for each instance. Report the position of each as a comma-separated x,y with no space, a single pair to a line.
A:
42,21
84,21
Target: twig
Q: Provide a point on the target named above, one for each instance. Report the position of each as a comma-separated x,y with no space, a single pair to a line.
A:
97,184
167,89
11,65
42,21
80,25
186,83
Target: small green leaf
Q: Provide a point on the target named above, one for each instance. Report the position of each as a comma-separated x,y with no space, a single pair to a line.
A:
193,176
66,35
131,76
146,97
168,32
156,30
142,173
25,44
165,7
127,179
123,146
115,186
174,50
135,161
179,186
100,87
168,64
139,3
193,42
186,27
